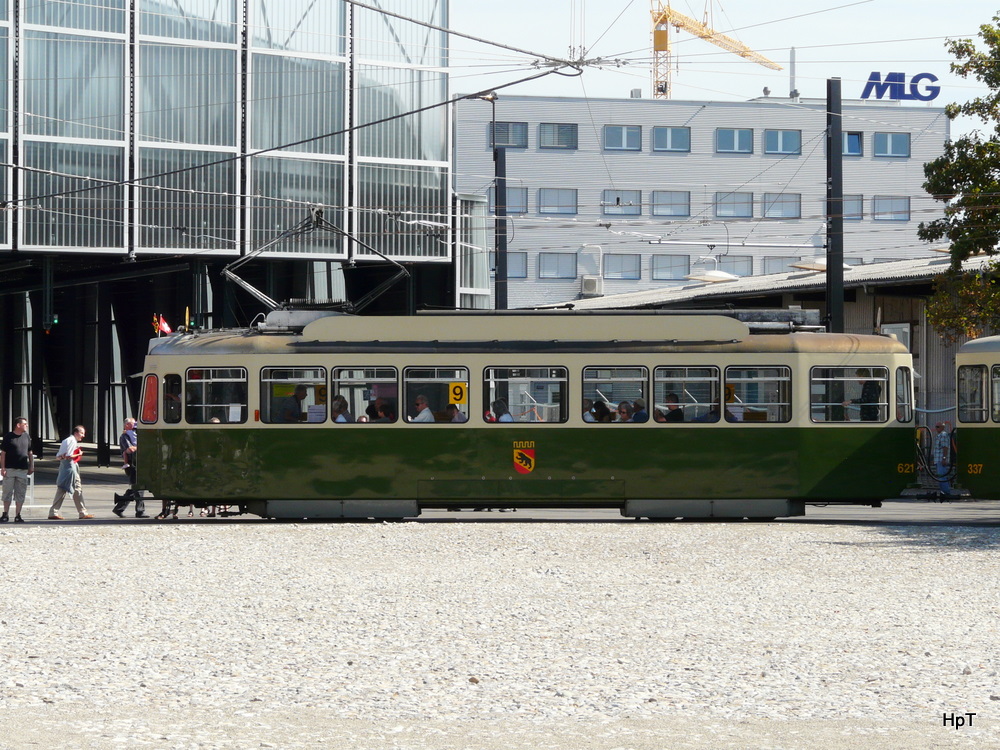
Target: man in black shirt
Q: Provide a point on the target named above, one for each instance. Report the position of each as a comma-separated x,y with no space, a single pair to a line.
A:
17,463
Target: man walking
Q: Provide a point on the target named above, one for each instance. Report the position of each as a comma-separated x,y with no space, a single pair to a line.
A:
68,479
17,463
129,444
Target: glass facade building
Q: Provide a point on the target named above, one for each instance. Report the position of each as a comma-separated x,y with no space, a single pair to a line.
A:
209,126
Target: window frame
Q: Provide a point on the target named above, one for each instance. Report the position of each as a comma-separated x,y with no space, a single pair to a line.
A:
771,200
859,198
670,130
544,206
686,203
492,392
737,138
571,127
431,386
780,136
379,375
508,123
694,410
745,408
511,271
729,198
847,136
626,133
888,142
313,377
518,210
224,408
615,374
655,261
893,215
980,392
623,273
630,207
542,256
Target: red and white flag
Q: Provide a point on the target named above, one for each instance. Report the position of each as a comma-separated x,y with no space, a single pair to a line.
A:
163,327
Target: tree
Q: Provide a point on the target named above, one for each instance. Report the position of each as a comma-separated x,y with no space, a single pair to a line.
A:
965,303
966,178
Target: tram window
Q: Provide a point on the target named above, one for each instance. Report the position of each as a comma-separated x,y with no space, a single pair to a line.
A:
904,395
609,387
528,394
148,413
972,392
685,394
292,395
758,394
216,395
172,399
371,393
995,392
846,394
430,390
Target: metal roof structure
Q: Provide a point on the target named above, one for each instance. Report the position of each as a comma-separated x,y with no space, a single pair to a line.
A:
903,272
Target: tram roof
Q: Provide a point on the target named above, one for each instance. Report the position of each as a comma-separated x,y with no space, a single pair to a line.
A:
531,332
981,346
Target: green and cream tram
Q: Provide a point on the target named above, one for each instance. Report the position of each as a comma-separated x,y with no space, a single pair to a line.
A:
357,417
978,415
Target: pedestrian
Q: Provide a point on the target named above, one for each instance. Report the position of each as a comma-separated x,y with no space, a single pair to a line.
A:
68,478
129,444
942,458
17,463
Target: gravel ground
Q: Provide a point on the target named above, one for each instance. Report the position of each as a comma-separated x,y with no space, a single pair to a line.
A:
493,635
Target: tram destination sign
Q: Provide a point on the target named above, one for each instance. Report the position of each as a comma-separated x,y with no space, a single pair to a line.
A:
895,85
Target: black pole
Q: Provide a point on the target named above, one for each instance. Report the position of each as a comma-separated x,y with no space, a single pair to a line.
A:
500,196
834,208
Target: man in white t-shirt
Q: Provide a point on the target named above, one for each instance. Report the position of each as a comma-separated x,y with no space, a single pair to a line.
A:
424,414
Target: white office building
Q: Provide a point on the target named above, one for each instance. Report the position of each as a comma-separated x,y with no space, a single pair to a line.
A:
607,196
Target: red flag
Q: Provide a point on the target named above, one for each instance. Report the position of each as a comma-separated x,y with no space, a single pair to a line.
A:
163,326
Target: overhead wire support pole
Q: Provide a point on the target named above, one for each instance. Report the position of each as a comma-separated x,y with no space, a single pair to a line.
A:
834,208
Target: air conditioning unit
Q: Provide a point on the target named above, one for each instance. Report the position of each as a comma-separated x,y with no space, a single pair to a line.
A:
592,286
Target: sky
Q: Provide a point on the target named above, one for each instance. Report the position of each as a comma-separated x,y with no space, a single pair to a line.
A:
831,38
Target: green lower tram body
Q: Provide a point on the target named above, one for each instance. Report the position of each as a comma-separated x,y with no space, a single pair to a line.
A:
977,461
644,470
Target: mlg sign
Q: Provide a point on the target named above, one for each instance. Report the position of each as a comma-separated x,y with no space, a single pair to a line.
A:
895,85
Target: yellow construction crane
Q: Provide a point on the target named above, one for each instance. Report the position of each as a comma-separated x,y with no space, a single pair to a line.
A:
663,18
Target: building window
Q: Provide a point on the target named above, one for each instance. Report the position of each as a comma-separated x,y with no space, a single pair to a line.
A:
734,205
517,200
517,265
622,202
740,265
557,135
891,208
557,265
509,135
854,207
530,394
853,143
670,267
778,264
290,395
622,137
896,145
557,201
671,203
671,139
622,266
734,141
782,142
782,206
